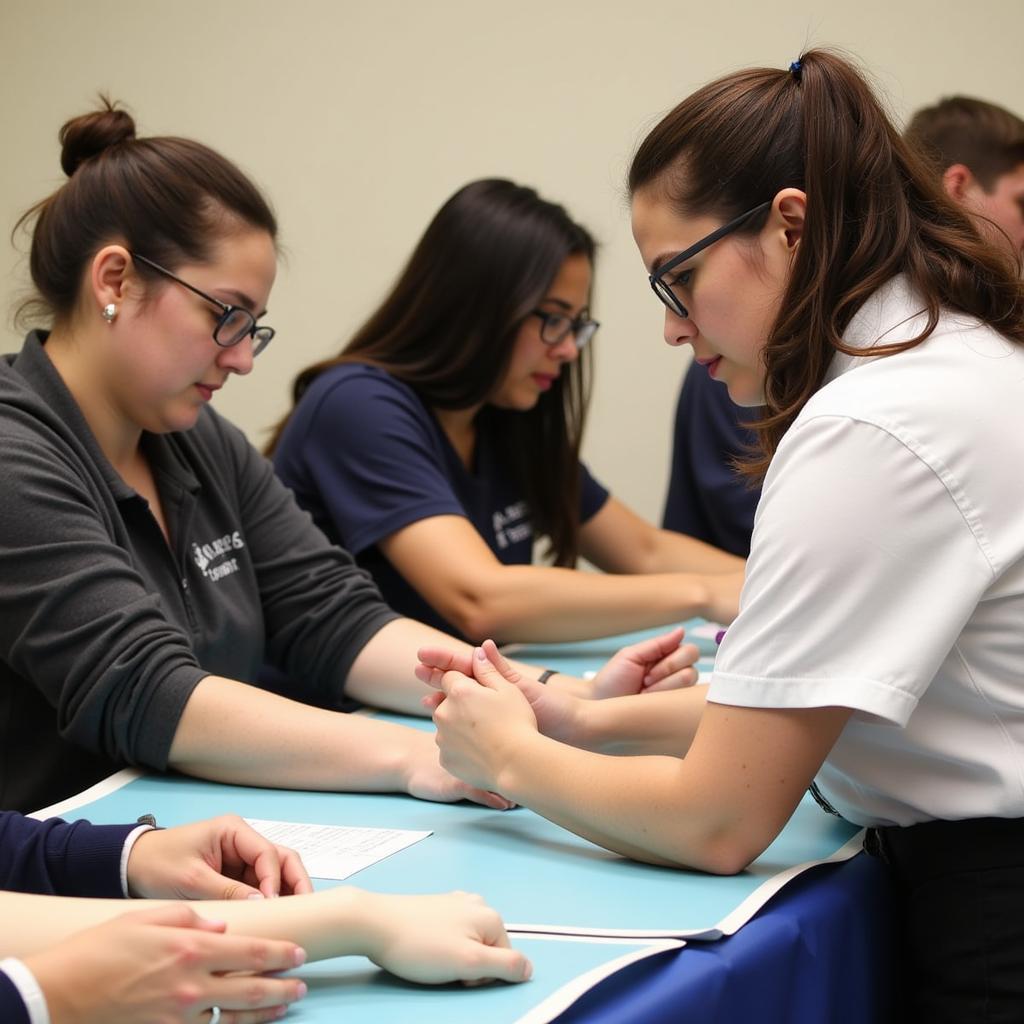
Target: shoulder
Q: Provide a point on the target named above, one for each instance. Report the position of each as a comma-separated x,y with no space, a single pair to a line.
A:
355,381
354,401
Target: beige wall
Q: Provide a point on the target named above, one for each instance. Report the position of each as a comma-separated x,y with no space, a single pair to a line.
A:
360,118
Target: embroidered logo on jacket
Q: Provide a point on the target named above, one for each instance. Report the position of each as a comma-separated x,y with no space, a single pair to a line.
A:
512,525
211,557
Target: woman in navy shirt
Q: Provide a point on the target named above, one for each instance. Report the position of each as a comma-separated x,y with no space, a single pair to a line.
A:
445,437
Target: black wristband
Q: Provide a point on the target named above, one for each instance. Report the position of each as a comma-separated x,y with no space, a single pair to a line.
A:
546,675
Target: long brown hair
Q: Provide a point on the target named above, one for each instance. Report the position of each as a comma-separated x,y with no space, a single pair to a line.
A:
168,198
874,210
448,326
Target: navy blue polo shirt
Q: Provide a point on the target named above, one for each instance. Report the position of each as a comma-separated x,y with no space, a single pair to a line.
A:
366,457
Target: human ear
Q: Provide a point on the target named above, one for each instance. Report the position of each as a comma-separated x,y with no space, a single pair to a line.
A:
788,213
109,274
957,180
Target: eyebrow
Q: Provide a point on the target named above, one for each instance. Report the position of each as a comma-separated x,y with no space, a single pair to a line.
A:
662,259
558,302
241,299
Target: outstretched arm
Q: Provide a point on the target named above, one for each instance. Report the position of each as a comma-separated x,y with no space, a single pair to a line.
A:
384,674
715,809
75,943
448,563
300,747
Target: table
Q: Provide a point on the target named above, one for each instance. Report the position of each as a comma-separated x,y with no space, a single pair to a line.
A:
818,951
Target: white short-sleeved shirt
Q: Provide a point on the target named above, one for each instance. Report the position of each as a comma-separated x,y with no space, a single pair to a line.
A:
886,572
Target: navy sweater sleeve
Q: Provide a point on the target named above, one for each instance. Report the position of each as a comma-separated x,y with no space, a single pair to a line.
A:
12,1009
54,857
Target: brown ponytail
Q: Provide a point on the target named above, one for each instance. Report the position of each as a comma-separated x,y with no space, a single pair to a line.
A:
874,210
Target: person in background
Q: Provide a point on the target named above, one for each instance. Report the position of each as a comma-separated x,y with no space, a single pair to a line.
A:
708,497
150,561
443,440
85,961
977,148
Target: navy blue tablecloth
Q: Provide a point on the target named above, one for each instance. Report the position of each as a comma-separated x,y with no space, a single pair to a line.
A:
823,950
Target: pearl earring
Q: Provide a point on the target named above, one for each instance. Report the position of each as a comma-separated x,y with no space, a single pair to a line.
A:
109,312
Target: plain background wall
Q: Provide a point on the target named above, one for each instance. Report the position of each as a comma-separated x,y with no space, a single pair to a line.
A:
359,119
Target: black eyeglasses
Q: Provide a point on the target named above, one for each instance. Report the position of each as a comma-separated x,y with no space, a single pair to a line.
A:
234,323
663,288
555,326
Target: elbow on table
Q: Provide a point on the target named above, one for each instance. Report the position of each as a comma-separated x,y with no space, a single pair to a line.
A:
727,852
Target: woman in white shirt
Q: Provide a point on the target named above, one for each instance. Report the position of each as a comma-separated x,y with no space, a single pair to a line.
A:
815,267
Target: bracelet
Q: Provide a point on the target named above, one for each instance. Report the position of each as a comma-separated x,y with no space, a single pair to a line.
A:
546,675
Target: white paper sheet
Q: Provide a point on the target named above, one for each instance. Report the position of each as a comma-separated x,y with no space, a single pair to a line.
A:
336,851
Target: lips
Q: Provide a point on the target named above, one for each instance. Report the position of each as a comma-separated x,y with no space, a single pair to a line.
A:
544,380
207,390
711,365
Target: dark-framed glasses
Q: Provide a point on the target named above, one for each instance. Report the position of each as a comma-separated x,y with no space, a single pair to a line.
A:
556,326
234,323
663,288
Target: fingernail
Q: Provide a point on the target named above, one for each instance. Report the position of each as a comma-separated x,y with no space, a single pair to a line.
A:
527,971
480,654
300,959
302,988
255,896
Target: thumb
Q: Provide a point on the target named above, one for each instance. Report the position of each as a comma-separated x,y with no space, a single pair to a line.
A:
655,647
498,962
209,884
489,662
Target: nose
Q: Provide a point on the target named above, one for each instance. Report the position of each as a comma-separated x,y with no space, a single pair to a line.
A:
679,330
566,350
238,358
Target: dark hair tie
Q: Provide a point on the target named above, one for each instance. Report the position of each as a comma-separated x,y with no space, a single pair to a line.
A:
796,69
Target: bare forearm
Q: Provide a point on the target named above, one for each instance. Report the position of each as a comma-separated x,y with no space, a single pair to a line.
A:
544,604
382,675
231,732
650,723
332,923
644,808
677,552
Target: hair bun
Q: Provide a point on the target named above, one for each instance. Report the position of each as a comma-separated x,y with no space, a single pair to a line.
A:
84,137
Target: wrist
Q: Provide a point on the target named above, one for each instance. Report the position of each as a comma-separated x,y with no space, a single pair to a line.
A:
700,596
571,684
369,922
133,882
512,775
591,723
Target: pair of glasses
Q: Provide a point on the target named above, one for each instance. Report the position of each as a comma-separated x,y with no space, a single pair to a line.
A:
556,326
663,288
234,323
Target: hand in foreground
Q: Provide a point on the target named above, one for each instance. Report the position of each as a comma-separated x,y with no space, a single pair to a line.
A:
438,939
661,663
556,711
426,779
221,859
165,965
482,721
